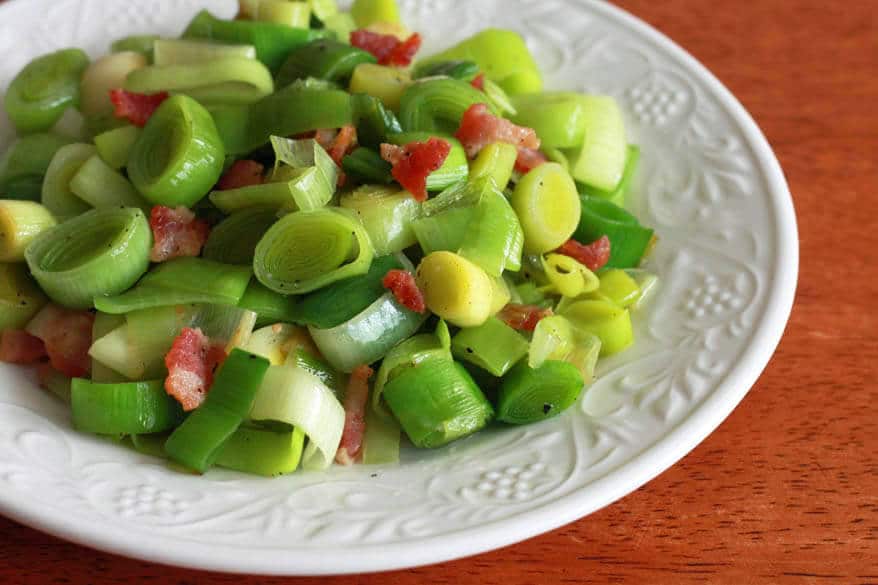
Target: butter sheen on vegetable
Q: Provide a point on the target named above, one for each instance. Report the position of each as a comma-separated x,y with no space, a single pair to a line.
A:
292,239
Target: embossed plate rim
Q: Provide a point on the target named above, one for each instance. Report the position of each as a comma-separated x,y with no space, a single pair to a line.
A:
613,485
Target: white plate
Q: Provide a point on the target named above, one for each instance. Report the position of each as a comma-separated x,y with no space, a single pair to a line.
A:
728,259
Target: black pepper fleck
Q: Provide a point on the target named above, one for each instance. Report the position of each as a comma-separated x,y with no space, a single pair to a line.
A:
546,408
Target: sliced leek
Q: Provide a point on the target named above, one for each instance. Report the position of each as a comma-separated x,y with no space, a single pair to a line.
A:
20,223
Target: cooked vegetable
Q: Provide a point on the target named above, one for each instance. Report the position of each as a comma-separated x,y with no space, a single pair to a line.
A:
39,94
455,289
25,163
128,408
493,346
530,395
20,223
548,207
629,240
20,298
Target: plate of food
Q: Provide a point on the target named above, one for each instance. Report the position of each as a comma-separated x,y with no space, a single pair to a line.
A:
410,281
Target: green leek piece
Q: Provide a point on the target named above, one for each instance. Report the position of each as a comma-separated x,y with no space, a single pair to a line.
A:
375,123
179,156
647,283
608,321
600,161
502,55
437,105
295,397
101,77
455,168
129,408
381,439
367,12
629,240
263,452
101,252
386,214
569,277
20,223
322,59
234,240
494,238
531,294
444,231
100,186
437,402
557,117
556,338
618,196
56,193
105,324
180,52
410,352
493,346
314,169
617,287
288,112
496,161
230,80
274,196
279,342
20,298
529,395
293,14
455,289
25,163
364,165
463,70
152,445
198,442
179,282
342,301
48,85
115,353
367,337
499,99
143,44
304,358
115,145
71,124
273,42
323,10
548,207
307,250
387,84
341,25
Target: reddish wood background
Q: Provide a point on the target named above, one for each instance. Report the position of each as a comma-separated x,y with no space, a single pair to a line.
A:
786,491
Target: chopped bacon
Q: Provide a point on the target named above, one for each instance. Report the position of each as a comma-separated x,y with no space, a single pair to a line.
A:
176,233
479,82
594,256
137,108
355,397
243,173
479,128
523,317
20,347
529,159
343,143
388,49
67,336
191,364
403,286
414,162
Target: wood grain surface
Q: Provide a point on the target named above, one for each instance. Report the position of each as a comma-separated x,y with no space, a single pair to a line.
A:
786,490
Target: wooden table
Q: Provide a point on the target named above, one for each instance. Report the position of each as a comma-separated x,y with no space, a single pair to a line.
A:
786,491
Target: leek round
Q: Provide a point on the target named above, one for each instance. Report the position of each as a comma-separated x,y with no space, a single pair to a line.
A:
101,252
179,156
307,250
230,80
57,195
529,395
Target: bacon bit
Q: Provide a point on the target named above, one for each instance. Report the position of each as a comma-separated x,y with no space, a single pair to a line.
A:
414,162
403,286
67,336
355,397
593,256
345,141
388,49
137,108
243,173
20,347
523,317
479,128
176,233
191,364
529,159
479,82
